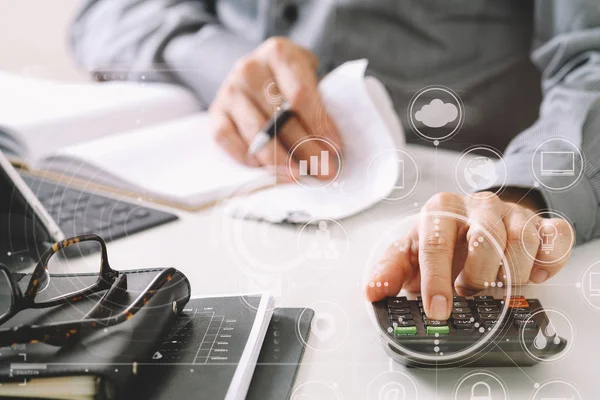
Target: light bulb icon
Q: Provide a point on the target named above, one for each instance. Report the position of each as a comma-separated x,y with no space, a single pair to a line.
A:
548,233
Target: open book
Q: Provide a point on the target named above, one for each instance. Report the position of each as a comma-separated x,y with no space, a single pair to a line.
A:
153,142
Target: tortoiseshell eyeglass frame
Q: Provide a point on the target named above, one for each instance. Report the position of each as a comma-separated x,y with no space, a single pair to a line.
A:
59,334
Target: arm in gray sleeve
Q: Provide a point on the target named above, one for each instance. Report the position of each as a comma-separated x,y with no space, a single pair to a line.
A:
568,54
162,40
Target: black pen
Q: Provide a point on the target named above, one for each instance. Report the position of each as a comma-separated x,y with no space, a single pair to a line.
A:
270,129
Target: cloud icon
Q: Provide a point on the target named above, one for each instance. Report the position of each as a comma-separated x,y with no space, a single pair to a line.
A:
437,113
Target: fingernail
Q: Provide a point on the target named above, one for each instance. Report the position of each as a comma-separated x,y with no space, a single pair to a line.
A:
538,275
438,307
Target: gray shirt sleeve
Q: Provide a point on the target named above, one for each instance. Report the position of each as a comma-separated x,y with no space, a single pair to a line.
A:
160,40
568,54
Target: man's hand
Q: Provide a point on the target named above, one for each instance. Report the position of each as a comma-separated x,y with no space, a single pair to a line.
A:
242,107
440,252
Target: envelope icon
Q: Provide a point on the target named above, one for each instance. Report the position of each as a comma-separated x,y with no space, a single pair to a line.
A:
260,283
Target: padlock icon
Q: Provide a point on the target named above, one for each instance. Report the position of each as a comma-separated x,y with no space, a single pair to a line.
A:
486,388
392,391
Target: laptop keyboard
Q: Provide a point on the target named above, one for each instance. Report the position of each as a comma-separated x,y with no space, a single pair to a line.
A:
78,212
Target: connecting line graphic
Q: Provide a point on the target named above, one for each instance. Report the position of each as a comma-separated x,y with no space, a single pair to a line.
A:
512,208
436,168
436,379
520,369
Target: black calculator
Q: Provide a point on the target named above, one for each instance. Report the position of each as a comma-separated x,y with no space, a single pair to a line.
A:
482,331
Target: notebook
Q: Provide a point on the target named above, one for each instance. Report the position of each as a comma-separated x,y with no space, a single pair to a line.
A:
210,351
176,161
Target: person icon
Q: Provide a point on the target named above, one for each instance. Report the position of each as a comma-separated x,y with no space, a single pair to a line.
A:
322,246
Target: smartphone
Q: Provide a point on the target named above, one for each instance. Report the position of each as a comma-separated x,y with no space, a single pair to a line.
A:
26,228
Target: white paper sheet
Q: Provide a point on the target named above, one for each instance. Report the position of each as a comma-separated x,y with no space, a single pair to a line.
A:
49,115
369,127
176,162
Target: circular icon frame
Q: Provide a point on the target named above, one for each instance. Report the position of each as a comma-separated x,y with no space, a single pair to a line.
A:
587,273
555,381
459,104
487,374
564,352
540,214
417,175
499,158
338,155
311,307
541,181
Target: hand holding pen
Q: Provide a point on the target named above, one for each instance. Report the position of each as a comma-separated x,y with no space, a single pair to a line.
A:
269,103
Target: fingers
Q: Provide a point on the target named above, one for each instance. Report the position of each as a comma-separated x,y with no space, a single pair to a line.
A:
248,121
397,266
437,239
483,258
227,136
296,78
292,70
556,239
522,241
252,77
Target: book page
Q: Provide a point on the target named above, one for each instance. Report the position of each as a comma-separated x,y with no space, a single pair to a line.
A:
177,161
48,115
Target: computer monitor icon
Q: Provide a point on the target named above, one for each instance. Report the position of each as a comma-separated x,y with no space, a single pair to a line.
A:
558,163
594,283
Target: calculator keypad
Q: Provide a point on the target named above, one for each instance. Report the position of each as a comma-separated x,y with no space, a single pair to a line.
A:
472,318
469,315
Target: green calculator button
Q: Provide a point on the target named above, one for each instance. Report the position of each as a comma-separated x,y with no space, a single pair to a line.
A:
442,330
405,330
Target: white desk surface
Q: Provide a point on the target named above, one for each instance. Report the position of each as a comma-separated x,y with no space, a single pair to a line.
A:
208,247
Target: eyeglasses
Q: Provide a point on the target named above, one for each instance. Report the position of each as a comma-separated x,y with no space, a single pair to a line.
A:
84,251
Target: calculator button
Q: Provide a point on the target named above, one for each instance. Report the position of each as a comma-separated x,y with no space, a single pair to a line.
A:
489,323
483,298
489,316
403,317
517,302
461,310
522,315
462,316
434,322
485,303
442,330
405,330
403,310
463,324
492,309
397,302
460,304
526,324
518,305
459,298
403,323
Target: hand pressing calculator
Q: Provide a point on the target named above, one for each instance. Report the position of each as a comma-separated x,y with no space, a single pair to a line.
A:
482,331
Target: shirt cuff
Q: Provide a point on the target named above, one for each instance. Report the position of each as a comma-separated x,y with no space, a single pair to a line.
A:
204,59
578,204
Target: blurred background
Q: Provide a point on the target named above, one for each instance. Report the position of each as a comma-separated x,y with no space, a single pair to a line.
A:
33,39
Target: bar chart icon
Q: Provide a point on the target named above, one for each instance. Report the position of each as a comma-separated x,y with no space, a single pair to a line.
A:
319,165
